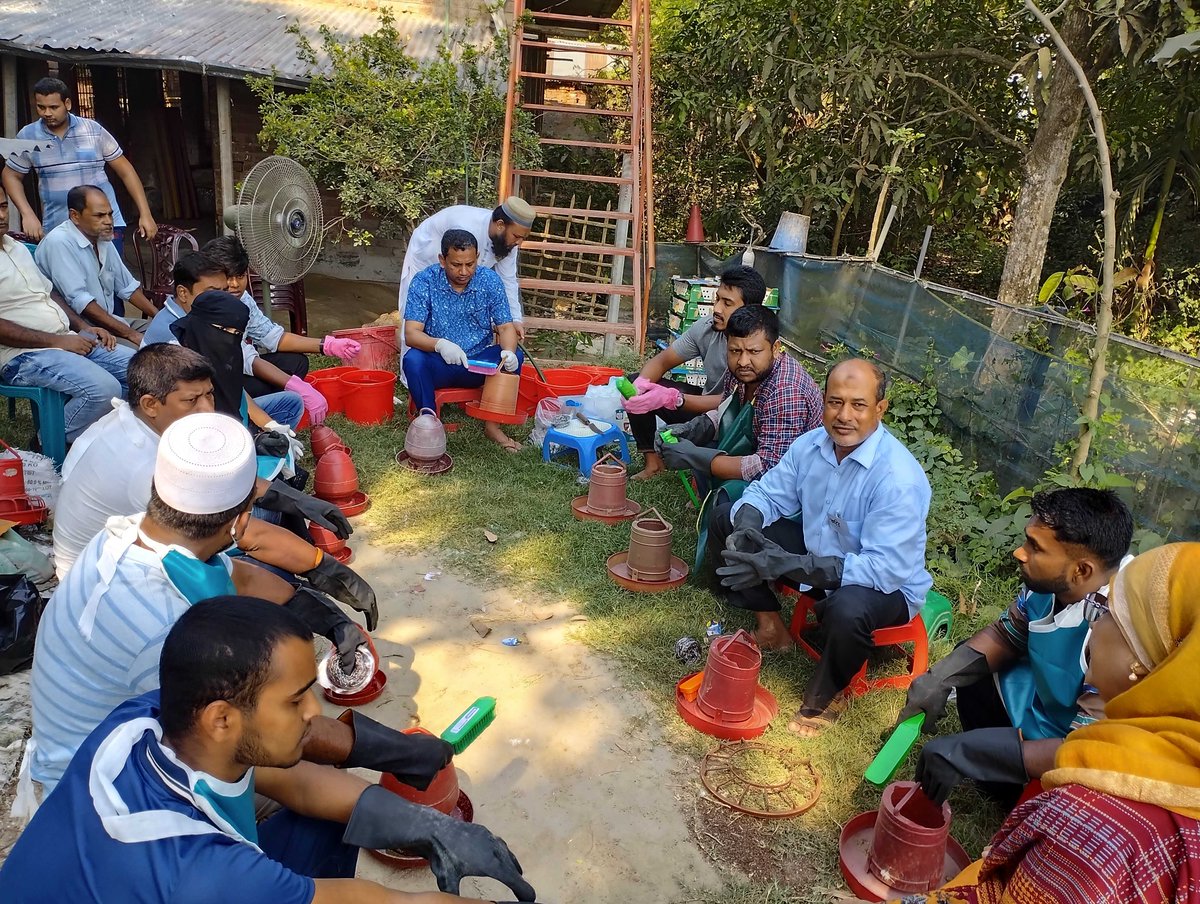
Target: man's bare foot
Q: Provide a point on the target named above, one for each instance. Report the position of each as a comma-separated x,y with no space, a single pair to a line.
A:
500,438
654,466
771,633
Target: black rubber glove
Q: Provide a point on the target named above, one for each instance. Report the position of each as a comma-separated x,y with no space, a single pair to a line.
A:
686,454
272,445
342,583
280,497
699,430
982,755
454,849
322,616
413,758
928,693
747,569
747,533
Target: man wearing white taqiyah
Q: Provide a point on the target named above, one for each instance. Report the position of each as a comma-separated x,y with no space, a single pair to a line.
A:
99,639
499,234
166,383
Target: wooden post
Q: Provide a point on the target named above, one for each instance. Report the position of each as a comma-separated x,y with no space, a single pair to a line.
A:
8,73
620,240
225,149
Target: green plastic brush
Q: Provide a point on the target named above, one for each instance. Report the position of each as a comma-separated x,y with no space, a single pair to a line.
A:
470,725
893,752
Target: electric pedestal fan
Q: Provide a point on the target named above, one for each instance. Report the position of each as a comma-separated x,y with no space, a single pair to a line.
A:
278,218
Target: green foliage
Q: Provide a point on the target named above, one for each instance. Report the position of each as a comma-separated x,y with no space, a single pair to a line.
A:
394,138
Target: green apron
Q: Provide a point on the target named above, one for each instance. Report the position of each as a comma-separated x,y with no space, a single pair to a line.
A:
735,437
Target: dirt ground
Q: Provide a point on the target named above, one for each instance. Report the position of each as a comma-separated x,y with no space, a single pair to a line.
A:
574,773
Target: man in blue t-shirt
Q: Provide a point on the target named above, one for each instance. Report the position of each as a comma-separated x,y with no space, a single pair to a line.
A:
452,312
159,803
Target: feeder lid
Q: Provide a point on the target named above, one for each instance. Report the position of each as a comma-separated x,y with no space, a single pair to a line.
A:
854,849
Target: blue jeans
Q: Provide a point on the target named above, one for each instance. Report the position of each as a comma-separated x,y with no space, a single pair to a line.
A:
307,846
426,373
283,407
90,381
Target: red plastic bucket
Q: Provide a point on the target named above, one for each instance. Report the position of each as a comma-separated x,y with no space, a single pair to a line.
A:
908,852
328,382
368,396
730,678
380,349
597,374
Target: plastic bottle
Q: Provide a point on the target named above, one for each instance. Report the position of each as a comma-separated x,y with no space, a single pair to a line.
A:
626,387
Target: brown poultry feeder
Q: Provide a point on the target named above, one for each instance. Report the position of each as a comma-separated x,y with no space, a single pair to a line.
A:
606,498
335,480
648,565
425,446
325,439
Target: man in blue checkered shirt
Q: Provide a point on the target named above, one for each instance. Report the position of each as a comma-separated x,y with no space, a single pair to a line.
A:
72,151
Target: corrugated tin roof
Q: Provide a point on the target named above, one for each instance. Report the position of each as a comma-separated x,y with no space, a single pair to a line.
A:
229,37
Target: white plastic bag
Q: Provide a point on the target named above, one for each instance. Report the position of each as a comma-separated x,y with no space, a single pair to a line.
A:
41,477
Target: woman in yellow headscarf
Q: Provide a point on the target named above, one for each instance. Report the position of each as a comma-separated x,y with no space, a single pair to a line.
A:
1120,820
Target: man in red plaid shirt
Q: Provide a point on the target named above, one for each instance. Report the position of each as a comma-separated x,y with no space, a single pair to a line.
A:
768,401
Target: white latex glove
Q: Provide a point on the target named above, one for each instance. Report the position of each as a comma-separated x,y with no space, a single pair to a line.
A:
297,447
508,360
451,353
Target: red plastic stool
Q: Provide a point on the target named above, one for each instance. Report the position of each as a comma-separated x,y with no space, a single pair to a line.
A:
451,395
913,632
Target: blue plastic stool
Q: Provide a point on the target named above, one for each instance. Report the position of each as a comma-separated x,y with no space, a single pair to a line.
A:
587,447
49,417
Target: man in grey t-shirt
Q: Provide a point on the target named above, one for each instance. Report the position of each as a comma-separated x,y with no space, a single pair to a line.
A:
704,339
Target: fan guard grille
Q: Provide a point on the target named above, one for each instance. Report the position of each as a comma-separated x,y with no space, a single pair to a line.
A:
280,220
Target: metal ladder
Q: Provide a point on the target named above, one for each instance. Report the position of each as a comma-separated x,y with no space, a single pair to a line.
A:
624,265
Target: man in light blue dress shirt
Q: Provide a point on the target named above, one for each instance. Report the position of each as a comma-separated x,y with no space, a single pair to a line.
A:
843,512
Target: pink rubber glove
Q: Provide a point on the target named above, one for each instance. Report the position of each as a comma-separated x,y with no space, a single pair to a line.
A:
341,348
651,397
314,402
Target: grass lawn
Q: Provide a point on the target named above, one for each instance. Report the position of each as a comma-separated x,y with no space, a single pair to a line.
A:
542,551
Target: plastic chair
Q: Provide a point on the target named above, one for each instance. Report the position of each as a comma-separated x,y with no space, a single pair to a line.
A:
288,298
49,416
164,252
914,632
586,447
451,395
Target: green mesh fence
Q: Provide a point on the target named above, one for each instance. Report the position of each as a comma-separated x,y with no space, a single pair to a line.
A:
1010,382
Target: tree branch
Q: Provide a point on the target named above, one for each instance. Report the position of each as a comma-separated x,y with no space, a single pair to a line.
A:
968,52
965,108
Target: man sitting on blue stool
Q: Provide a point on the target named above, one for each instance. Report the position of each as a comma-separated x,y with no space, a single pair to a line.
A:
452,311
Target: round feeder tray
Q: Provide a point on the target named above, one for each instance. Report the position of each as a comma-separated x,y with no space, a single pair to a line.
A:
464,811
727,778
343,555
431,468
475,411
579,508
854,848
373,689
355,505
765,709
618,570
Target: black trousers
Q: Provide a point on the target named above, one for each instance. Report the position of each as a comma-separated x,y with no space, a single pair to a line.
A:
980,706
642,425
847,616
294,364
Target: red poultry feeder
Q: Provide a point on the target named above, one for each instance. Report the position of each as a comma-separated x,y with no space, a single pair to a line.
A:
904,848
335,478
330,543
325,439
648,565
606,500
361,685
730,704
443,794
